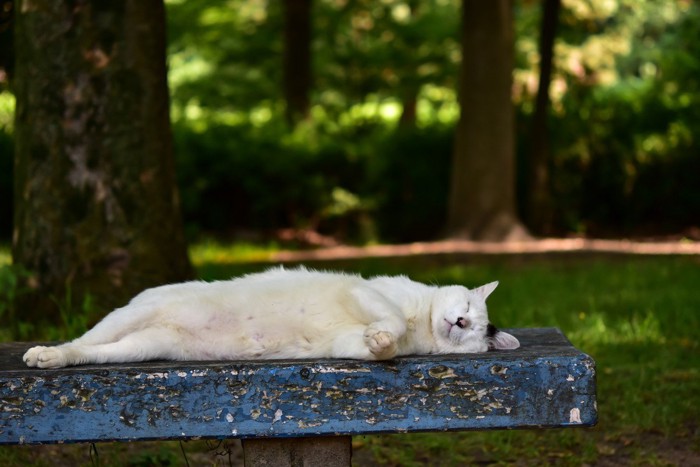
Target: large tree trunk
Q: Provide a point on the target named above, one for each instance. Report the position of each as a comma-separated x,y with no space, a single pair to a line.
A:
539,202
482,193
297,58
96,201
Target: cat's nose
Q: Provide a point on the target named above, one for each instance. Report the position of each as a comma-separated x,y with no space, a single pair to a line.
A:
461,322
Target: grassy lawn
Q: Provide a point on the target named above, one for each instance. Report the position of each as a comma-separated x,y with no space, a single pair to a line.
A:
637,316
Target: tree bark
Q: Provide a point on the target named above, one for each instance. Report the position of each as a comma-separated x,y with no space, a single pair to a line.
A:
96,204
539,202
297,59
482,193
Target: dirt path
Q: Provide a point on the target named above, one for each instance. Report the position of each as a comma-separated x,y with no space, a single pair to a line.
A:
549,245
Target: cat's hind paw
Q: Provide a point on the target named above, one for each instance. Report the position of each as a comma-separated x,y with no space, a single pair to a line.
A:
31,356
382,344
44,357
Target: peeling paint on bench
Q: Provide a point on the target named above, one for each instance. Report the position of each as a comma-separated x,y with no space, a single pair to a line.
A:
545,383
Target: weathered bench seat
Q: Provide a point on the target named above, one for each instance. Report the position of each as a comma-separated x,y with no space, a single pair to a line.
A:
545,383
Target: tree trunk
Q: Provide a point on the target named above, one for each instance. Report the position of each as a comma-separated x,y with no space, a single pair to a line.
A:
539,202
96,202
297,59
482,193
410,85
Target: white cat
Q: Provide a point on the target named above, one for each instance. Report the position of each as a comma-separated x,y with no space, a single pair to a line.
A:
282,313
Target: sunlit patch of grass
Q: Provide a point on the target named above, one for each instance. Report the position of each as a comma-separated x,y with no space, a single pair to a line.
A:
596,329
214,252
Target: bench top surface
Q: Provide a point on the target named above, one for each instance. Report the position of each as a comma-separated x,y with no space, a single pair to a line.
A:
546,382
534,343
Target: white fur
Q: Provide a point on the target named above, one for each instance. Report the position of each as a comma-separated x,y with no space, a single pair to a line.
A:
282,313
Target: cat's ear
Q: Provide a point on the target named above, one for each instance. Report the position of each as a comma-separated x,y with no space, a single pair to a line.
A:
503,341
485,290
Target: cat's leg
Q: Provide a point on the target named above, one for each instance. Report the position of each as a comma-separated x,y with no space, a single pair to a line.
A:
351,344
116,325
146,344
387,322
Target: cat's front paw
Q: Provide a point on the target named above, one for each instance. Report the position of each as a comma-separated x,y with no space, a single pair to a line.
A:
44,357
382,344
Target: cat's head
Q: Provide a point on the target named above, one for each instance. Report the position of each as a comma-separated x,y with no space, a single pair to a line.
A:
461,324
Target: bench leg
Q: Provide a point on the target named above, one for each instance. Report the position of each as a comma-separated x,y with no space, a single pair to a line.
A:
326,451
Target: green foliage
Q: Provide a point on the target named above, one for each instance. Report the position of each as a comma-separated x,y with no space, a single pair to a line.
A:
345,171
390,48
15,280
623,124
75,317
411,183
233,178
248,177
224,55
10,287
7,107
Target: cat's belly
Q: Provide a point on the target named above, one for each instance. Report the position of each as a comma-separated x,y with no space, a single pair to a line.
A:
297,333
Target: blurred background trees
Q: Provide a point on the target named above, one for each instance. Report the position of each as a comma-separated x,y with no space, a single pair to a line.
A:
373,161
368,156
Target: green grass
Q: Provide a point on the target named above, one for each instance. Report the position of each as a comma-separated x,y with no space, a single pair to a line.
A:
637,316
212,252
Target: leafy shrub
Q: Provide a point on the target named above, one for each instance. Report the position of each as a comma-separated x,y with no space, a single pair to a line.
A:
11,277
232,177
410,180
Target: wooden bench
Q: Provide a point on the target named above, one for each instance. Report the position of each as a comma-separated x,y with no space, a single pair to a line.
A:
288,411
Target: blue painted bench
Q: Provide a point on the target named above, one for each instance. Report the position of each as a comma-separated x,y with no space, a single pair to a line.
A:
299,408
